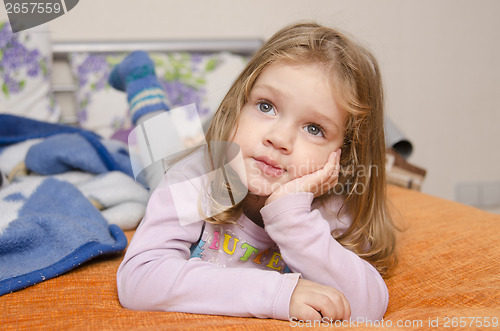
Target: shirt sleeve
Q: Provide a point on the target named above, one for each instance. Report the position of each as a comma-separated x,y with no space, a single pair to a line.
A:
158,273
307,246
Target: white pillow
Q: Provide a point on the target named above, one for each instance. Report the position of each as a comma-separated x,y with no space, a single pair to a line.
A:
202,79
25,72
99,107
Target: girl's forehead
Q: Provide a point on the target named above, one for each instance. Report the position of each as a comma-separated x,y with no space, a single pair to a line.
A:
328,73
307,75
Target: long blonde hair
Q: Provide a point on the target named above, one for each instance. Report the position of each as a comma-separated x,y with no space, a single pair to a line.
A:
356,80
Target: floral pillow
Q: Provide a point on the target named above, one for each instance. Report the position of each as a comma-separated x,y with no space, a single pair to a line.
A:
99,107
187,78
25,67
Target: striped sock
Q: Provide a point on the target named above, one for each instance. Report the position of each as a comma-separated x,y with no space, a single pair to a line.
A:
136,76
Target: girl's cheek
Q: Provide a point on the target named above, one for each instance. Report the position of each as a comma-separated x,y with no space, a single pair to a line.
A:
310,166
232,134
302,170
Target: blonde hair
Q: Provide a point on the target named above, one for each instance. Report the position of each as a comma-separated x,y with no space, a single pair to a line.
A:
356,80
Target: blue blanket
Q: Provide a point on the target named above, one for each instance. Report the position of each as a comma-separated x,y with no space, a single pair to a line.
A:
48,232
15,129
48,226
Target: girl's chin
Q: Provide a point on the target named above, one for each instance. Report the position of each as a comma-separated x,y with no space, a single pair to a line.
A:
262,186
260,189
259,192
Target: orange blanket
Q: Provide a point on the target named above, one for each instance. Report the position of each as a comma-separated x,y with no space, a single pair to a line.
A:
449,275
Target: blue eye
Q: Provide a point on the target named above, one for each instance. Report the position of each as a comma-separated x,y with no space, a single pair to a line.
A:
266,107
314,130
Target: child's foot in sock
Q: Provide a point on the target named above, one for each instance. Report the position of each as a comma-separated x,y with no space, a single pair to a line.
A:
136,76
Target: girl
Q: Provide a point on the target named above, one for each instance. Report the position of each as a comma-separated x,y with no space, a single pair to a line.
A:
312,239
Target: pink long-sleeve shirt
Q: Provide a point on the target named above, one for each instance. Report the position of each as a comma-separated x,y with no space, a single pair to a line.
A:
244,269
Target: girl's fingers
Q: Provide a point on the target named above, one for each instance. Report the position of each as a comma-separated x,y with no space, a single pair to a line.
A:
347,309
318,182
330,303
337,163
329,167
329,174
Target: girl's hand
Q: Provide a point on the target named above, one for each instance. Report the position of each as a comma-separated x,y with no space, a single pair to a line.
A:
317,182
312,301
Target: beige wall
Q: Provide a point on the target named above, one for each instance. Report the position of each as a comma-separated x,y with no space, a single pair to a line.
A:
440,61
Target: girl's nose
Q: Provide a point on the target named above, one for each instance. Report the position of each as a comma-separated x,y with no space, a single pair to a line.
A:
281,137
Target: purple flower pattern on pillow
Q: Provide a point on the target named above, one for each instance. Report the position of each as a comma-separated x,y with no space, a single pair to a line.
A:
17,62
182,75
184,79
92,75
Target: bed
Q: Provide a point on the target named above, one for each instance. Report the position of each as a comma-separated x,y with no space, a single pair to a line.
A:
448,275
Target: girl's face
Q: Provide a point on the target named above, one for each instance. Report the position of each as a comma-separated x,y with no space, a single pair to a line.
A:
289,126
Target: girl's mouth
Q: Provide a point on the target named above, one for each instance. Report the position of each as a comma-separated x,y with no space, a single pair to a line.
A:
269,167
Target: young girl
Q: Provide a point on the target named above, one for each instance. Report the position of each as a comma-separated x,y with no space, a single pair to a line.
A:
312,239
